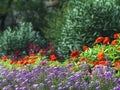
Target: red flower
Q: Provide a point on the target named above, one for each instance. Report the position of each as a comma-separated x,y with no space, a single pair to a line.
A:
42,51
43,63
53,58
100,56
103,62
96,63
75,53
116,35
5,58
114,42
98,40
106,40
85,48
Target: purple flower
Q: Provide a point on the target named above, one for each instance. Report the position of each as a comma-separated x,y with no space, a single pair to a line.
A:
69,65
23,88
24,83
116,88
53,87
46,80
84,84
60,88
98,83
92,84
60,84
97,88
77,84
71,78
51,75
49,83
35,86
36,69
69,83
118,81
41,85
9,76
5,88
17,88
108,76
67,86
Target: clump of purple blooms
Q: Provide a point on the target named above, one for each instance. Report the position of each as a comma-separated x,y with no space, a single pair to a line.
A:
60,78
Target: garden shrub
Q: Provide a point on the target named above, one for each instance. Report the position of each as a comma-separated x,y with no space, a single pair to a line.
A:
85,21
19,38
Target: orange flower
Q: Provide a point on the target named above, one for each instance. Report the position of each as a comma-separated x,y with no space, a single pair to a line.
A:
26,57
25,62
90,62
100,56
31,55
116,35
98,40
104,63
75,53
119,48
85,48
83,59
32,61
19,63
69,61
53,58
117,64
11,62
114,42
15,61
4,60
106,40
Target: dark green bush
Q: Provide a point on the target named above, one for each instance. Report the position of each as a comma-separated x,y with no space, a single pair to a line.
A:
33,11
19,38
86,20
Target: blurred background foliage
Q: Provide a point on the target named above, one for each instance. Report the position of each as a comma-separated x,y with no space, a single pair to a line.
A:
68,24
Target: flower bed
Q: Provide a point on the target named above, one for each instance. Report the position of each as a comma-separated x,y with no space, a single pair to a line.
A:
96,68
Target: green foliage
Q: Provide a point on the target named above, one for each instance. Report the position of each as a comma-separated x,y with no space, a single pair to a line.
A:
55,19
86,20
3,6
33,11
19,38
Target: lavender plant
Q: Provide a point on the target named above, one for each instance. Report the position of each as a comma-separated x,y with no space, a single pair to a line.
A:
60,78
